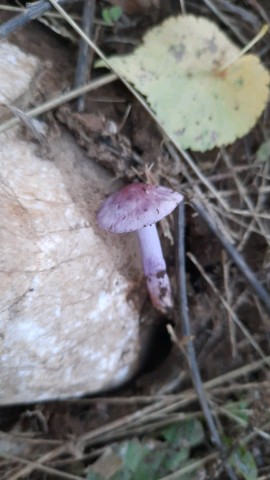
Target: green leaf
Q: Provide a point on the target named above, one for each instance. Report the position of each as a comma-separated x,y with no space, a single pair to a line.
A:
132,453
192,432
182,69
156,457
187,434
144,472
175,459
140,462
263,152
106,465
122,475
111,15
171,433
243,462
239,409
93,476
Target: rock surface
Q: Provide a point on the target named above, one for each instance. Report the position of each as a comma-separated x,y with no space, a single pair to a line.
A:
17,72
68,322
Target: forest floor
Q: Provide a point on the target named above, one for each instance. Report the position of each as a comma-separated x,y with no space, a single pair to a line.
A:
154,428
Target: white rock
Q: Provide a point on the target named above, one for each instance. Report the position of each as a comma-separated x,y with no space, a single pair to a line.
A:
68,325
17,71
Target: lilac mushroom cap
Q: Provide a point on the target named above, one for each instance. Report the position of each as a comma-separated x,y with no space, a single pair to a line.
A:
137,207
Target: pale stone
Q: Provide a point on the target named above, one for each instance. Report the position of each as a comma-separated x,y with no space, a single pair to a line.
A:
17,70
68,322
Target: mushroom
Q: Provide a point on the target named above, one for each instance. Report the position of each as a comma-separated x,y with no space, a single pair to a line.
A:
137,207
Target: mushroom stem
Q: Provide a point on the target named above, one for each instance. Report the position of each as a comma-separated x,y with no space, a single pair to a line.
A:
154,266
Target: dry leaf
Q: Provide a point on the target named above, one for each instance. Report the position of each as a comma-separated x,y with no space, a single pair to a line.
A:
178,69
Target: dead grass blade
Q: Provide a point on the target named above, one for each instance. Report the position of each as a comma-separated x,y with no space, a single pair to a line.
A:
196,465
31,466
229,297
60,100
173,402
256,219
40,467
226,21
262,293
229,309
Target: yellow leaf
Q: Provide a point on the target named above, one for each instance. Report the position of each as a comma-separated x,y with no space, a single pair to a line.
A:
179,69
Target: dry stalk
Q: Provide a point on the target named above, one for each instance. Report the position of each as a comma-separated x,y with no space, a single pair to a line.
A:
57,101
226,21
227,306
253,210
226,264
40,467
31,466
84,60
178,401
233,219
196,465
34,11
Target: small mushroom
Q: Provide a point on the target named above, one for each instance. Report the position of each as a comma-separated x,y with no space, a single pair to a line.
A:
137,207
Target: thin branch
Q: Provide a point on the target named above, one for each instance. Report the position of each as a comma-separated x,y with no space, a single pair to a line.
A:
228,292
82,69
56,102
186,328
87,437
229,309
233,219
31,466
183,7
225,20
250,276
40,467
243,194
11,8
190,467
184,399
31,13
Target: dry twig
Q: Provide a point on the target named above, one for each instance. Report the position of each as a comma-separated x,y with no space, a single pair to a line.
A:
31,13
83,64
56,102
189,347
229,309
228,292
262,293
